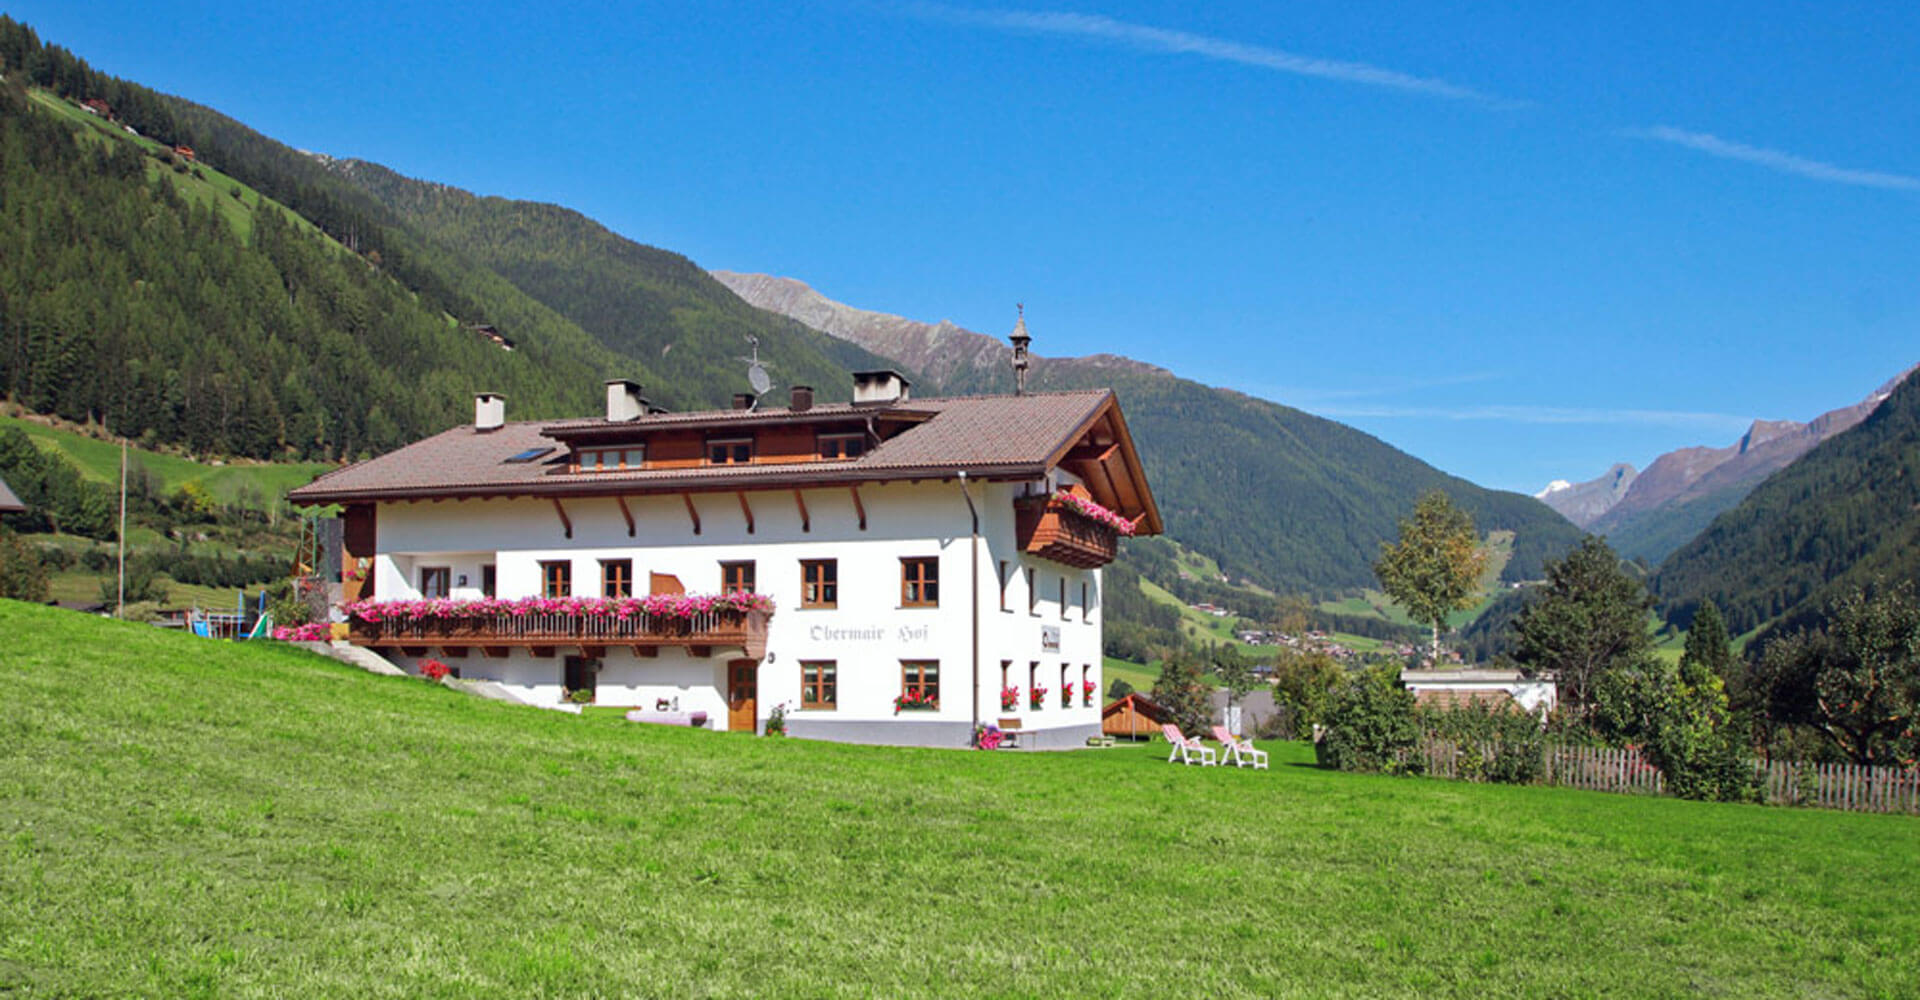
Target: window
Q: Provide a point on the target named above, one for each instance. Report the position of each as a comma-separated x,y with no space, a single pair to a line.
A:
920,582
819,683
1086,678
529,455
1004,575
1066,688
1034,695
1083,601
611,459
736,577
556,579
819,583
490,580
1063,597
921,679
729,451
1033,592
434,581
616,578
843,446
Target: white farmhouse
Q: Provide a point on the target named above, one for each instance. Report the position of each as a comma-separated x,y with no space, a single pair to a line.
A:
928,562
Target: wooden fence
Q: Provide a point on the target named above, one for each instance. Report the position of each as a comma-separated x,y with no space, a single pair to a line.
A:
1852,787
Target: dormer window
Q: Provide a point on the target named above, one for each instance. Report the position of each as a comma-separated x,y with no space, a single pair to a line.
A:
843,446
612,459
729,451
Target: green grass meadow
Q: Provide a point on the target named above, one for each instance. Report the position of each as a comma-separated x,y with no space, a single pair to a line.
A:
99,461
188,818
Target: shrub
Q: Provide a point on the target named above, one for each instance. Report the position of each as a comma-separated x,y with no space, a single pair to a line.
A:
1497,742
23,574
1372,726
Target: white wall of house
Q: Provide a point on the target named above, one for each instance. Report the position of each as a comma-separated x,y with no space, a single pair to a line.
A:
867,635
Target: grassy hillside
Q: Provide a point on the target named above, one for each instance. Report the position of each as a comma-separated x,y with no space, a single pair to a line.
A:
244,483
185,818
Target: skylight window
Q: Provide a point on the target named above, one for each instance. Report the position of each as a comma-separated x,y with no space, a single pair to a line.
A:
529,455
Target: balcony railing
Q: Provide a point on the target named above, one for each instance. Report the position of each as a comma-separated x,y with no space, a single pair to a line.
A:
727,628
1051,528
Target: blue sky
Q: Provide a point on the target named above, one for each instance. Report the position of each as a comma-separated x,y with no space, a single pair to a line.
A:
1519,243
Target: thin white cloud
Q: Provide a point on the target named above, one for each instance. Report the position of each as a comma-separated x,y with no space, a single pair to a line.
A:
1304,395
1104,28
1548,415
1773,159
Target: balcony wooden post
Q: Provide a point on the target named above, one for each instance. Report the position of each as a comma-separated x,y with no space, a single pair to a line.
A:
624,512
744,509
694,514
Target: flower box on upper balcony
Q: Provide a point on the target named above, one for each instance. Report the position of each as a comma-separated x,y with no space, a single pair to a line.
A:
696,621
1068,529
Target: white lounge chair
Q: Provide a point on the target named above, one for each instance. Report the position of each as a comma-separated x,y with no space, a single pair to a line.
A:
1186,750
1240,752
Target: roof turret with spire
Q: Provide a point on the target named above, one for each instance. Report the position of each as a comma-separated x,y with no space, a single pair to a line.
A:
1020,339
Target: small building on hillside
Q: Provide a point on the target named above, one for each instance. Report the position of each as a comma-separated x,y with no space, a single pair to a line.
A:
9,504
184,152
1134,716
98,107
1504,688
885,569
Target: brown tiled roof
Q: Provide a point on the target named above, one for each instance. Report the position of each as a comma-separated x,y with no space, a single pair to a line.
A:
989,436
8,502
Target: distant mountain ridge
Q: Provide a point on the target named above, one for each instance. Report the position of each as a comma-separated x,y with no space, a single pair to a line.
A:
1279,497
1842,516
1583,503
951,357
1680,492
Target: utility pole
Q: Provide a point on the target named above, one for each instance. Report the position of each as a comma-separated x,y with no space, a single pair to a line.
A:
120,599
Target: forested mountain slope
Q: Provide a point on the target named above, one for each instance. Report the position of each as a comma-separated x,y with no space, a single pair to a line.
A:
637,300
236,326
1845,515
1283,498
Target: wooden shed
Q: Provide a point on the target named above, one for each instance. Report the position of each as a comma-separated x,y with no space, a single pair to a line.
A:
1133,716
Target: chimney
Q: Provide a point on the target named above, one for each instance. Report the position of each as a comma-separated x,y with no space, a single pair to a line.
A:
802,398
743,401
489,411
623,401
882,386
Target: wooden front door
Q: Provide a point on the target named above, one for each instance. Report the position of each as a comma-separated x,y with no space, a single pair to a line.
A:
743,692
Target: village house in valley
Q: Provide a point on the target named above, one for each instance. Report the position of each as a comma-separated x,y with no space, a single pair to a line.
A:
890,570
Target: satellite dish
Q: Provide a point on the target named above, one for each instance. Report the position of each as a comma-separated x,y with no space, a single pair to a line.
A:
757,369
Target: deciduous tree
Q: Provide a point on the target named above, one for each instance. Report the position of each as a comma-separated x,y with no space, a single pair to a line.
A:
1183,692
1434,569
1861,672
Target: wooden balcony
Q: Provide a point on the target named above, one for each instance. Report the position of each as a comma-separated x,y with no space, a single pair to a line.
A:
1047,527
546,632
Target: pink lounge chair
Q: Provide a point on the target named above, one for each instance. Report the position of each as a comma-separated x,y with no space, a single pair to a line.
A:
1240,752
1186,750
